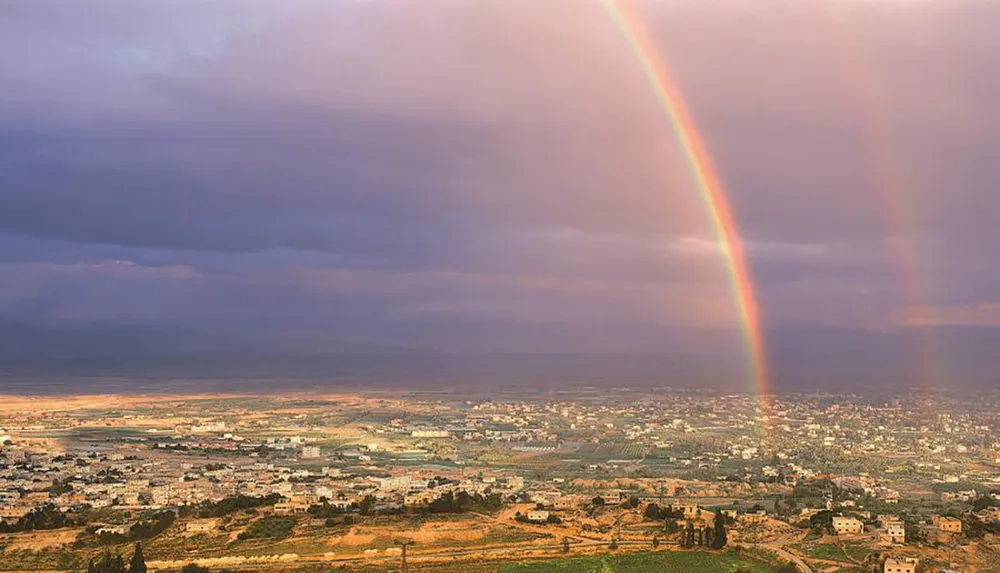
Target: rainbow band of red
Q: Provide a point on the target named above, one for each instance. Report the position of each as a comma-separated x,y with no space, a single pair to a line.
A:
710,188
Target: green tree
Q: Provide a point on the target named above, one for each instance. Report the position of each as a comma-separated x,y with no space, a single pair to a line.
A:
138,563
107,563
652,512
720,539
688,539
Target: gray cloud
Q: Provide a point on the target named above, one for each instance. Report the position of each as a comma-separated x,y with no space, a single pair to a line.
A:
434,175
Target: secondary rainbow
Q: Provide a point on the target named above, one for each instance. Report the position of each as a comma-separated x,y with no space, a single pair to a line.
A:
888,179
710,189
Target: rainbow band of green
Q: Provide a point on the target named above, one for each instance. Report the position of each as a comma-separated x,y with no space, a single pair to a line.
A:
709,187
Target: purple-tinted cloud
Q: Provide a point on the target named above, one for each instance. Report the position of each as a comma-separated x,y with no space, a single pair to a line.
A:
496,174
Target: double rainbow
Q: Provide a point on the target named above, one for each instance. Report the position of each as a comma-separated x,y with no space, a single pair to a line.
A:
710,189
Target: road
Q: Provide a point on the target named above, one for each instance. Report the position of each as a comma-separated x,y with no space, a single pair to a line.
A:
778,550
781,552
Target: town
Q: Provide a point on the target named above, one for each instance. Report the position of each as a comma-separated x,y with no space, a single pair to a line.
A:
375,481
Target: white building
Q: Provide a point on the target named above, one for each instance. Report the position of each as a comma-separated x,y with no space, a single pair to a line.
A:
848,526
907,565
538,516
202,526
893,533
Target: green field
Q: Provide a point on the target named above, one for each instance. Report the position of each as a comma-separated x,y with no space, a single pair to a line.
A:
850,552
666,562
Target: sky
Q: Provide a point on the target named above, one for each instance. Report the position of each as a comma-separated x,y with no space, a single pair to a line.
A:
244,180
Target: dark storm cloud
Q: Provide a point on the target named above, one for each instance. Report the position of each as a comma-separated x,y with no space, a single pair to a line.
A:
493,175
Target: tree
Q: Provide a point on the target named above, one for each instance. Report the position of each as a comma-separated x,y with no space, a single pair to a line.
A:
613,545
597,500
565,545
688,540
670,526
656,541
107,563
719,540
194,568
822,521
138,563
983,503
652,512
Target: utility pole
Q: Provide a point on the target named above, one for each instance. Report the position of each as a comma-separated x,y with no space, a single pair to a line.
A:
404,545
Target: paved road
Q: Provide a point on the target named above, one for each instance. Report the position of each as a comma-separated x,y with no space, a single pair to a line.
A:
779,550
802,565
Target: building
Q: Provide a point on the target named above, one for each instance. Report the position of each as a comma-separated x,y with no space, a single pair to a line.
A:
906,565
112,530
310,452
990,514
430,434
893,533
202,526
848,526
538,516
567,502
690,510
754,517
291,507
948,524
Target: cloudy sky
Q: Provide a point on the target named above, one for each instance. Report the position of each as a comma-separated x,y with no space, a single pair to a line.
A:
304,178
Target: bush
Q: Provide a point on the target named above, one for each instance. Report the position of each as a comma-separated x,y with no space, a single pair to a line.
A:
44,517
275,527
233,504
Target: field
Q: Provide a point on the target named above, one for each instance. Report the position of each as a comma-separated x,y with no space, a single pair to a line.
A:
663,562
605,451
667,562
853,552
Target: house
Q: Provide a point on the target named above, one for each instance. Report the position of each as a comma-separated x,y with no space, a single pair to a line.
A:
848,526
755,517
538,516
947,524
14,512
990,514
690,510
112,530
905,565
202,526
566,502
893,533
291,506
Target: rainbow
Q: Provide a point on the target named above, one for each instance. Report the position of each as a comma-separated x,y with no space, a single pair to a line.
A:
710,189
886,173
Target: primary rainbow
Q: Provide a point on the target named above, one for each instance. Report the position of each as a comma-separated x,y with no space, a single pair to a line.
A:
709,186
